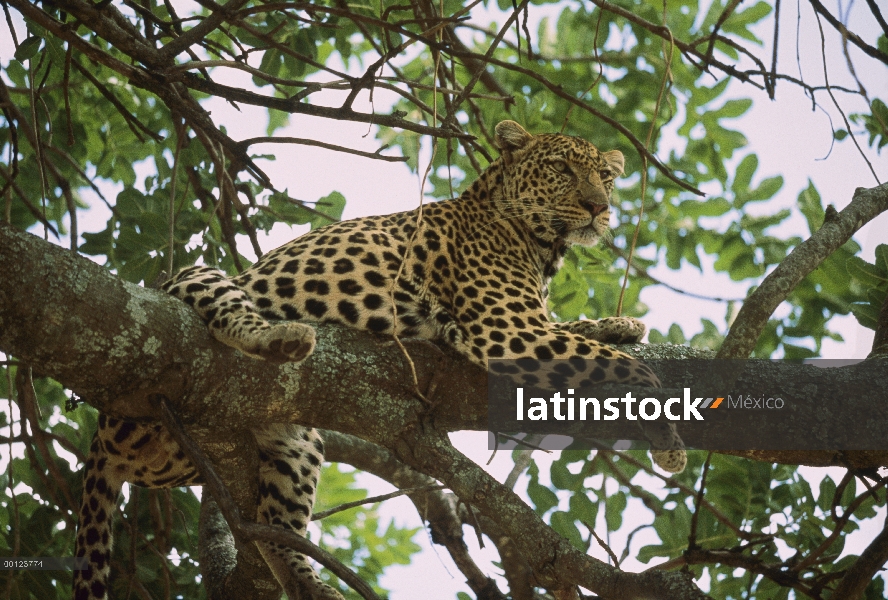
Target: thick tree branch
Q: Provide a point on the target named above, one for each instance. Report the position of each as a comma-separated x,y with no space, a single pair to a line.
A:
836,230
115,344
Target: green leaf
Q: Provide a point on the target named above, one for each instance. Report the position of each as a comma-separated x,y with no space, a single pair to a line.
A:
564,524
276,120
733,108
28,48
876,589
869,275
882,258
711,207
866,315
131,203
583,509
330,207
827,492
848,494
100,243
562,478
811,207
614,506
766,189
542,497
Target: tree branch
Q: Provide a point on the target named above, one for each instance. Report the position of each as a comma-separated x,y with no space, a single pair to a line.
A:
837,229
850,35
115,343
440,509
290,105
335,148
863,571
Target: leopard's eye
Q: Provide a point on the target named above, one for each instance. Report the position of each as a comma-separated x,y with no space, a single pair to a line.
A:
606,174
560,166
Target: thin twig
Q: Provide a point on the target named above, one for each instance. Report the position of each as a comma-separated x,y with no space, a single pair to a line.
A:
601,542
874,8
692,535
323,514
35,212
181,133
11,29
727,12
305,142
523,442
66,80
523,460
233,64
38,143
836,103
772,88
667,75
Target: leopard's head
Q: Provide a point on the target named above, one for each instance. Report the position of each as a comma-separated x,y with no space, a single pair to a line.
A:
558,184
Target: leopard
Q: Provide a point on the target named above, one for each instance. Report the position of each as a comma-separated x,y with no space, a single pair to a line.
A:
470,273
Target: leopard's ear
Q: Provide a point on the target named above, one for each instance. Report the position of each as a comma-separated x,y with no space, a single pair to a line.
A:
511,136
615,160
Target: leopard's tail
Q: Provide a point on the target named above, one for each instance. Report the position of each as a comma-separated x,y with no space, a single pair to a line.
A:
101,488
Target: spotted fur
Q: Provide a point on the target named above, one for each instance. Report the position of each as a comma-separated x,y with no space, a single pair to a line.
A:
474,277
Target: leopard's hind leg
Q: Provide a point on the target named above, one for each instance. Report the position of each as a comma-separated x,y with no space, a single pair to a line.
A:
234,319
290,458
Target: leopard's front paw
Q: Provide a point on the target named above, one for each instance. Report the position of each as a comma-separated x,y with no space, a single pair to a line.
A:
283,342
667,448
671,461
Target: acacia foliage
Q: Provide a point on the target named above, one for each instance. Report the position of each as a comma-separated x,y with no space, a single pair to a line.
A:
97,118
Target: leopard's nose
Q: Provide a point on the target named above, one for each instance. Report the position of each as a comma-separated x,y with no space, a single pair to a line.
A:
594,200
596,209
